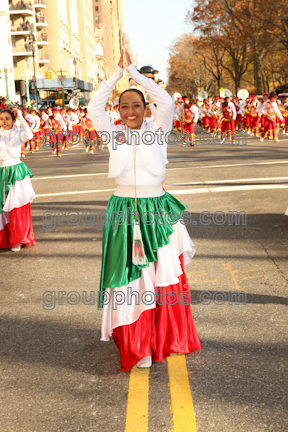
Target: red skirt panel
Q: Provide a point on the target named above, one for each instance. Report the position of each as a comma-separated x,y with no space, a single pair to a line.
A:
162,331
19,228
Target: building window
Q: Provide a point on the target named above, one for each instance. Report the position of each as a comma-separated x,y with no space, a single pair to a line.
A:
97,20
96,9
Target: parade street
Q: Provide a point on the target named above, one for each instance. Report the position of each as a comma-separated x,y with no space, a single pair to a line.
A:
56,375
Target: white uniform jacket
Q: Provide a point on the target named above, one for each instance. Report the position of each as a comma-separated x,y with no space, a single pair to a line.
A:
11,142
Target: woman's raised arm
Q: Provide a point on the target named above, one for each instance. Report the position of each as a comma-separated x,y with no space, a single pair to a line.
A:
165,104
96,107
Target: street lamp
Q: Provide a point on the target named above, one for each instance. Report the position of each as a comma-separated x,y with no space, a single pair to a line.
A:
75,65
32,40
6,71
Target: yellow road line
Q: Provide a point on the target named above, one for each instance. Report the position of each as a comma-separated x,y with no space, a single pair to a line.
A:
181,399
137,404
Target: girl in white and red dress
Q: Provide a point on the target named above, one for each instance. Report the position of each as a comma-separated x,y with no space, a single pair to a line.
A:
142,264
16,191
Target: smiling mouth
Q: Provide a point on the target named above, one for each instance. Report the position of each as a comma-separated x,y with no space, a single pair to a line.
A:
131,118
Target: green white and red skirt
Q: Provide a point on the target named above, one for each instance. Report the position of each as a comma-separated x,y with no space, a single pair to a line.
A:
143,311
15,212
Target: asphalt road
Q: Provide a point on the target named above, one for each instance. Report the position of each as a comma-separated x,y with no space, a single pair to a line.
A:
56,375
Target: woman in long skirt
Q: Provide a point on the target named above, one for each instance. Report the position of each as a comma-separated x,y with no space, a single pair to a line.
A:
16,191
145,293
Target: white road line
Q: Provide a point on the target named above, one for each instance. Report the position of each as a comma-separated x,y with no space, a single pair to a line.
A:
228,189
176,184
180,192
227,181
74,193
227,166
68,176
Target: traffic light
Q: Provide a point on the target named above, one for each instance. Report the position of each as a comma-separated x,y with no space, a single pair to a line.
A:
49,74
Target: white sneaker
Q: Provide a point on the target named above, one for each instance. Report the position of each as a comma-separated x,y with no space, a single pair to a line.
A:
66,149
54,151
145,362
59,155
37,149
262,139
276,140
87,149
23,156
91,152
16,248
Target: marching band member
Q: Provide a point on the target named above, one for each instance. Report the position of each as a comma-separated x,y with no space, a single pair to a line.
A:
16,191
254,116
56,128
117,120
205,121
239,111
74,119
284,112
89,132
263,118
79,124
30,121
213,117
36,128
44,123
66,118
49,111
270,110
227,112
190,117
145,259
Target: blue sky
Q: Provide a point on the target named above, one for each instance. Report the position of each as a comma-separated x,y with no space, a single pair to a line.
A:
151,26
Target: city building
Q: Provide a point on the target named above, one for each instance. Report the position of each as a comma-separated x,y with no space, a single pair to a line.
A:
79,40
109,20
7,88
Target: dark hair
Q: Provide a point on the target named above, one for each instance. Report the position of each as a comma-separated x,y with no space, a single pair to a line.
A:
136,91
9,112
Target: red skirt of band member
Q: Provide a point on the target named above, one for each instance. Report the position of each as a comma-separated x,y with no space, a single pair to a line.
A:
247,121
206,121
19,228
213,123
189,128
255,121
159,332
37,135
79,129
238,118
42,131
228,126
74,127
179,124
263,122
89,138
270,129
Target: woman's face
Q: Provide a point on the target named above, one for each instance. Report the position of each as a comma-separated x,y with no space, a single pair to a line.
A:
6,121
132,110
